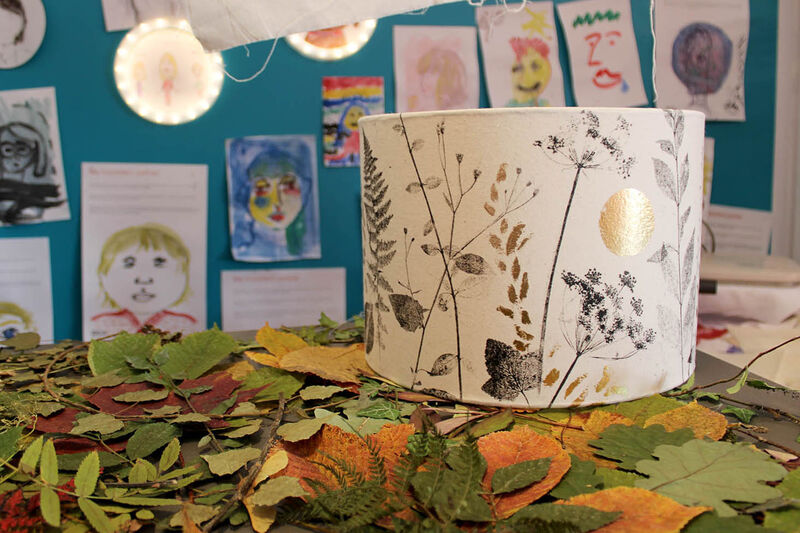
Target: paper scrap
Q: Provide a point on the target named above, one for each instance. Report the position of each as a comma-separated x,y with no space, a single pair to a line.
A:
26,299
739,230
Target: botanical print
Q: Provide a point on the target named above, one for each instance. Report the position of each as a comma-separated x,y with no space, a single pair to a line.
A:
32,187
520,55
125,14
26,301
700,56
344,101
436,67
273,202
604,60
22,25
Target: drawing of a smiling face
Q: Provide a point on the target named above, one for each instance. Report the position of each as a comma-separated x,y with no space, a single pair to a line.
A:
601,55
530,74
145,281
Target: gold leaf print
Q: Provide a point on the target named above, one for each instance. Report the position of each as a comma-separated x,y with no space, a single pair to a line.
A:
572,386
502,266
513,237
501,173
579,399
551,378
526,319
522,334
523,288
503,226
604,380
495,241
515,269
506,311
493,193
512,294
521,346
489,209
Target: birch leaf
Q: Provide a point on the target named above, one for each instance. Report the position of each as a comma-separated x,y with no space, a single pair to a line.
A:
101,423
146,395
149,438
275,490
278,343
195,354
230,461
444,365
408,311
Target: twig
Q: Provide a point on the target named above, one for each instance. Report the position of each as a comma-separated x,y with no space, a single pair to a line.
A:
774,411
766,441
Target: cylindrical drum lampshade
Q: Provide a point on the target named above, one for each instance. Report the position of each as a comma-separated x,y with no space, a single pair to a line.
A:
532,257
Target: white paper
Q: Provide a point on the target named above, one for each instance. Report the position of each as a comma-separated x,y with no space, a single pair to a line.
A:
436,67
603,57
26,298
125,14
708,176
765,303
520,55
282,297
221,24
740,230
32,187
143,235
21,31
701,46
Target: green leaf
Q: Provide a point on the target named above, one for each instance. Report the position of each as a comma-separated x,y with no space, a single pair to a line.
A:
96,516
790,486
584,518
579,479
195,354
279,381
30,457
243,431
711,522
327,322
319,392
146,502
785,520
383,409
246,409
229,462
496,422
169,455
197,513
519,475
763,385
142,472
616,478
102,423
70,462
149,438
301,430
109,379
8,443
88,472
107,356
22,341
145,514
707,473
164,410
50,506
146,395
460,499
741,413
47,408
736,387
630,444
191,417
48,467
642,409
275,490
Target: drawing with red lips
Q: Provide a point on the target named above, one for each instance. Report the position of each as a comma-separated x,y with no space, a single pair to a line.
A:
603,78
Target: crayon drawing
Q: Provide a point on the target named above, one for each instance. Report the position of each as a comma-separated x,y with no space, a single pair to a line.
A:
26,302
273,203
14,320
344,101
22,25
436,67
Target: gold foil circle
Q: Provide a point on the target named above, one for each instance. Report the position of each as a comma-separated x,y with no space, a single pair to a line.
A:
627,222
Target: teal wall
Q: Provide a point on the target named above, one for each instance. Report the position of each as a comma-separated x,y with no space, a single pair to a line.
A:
76,58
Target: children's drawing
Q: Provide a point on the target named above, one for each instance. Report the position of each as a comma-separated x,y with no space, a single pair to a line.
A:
603,56
700,56
14,320
168,71
22,25
344,101
26,303
520,55
436,67
125,14
272,187
31,171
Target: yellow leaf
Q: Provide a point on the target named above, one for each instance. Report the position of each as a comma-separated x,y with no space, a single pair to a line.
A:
188,525
604,380
274,463
586,427
266,359
261,516
551,378
702,421
575,383
238,370
278,342
344,364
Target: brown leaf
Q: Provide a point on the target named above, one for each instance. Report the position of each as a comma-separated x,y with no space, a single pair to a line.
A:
591,425
493,193
342,364
515,269
506,311
188,524
495,241
551,378
501,173
523,288
503,226
505,448
522,334
642,510
278,342
513,237
489,209
603,380
522,243
521,346
702,421
512,294
502,266
526,319
571,387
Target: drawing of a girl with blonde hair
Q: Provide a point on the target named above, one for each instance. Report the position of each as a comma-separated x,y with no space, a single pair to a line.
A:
143,271
168,70
443,79
14,320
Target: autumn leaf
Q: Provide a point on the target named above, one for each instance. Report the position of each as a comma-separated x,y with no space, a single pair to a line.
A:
642,409
592,424
278,343
642,510
505,448
266,359
702,421
340,364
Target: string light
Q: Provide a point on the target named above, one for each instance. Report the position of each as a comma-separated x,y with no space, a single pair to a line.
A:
355,35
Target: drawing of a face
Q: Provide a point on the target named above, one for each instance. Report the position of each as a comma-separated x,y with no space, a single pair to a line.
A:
16,154
351,117
14,320
167,67
12,22
276,200
144,281
601,55
442,75
531,70
701,57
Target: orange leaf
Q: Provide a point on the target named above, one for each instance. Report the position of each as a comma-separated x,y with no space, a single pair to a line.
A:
592,424
505,448
642,510
342,364
238,370
266,359
551,378
703,421
278,342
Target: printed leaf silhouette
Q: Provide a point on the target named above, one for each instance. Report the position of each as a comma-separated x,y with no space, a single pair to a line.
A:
495,241
369,326
513,237
631,444
417,144
679,125
702,421
511,373
683,177
690,312
408,312
688,263
642,510
471,264
444,364
704,472
506,448
278,343
592,424
665,178
427,228
432,182
501,173
343,364
489,209
684,218
429,249
667,146
580,479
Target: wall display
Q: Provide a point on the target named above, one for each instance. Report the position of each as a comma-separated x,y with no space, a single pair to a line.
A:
346,99
163,73
282,297
125,14
739,230
603,57
32,187
334,43
700,56
435,67
22,26
26,298
273,201
143,240
520,55
708,176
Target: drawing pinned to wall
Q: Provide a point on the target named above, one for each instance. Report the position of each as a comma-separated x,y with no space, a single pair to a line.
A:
32,187
144,250
604,60
708,176
331,44
436,67
272,195
700,56
520,55
26,301
22,25
344,101
125,14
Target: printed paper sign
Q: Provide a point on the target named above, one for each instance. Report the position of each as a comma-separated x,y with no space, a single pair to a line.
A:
738,230
143,230
26,300
520,55
346,99
282,297
125,14
603,57
701,46
32,187
436,67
